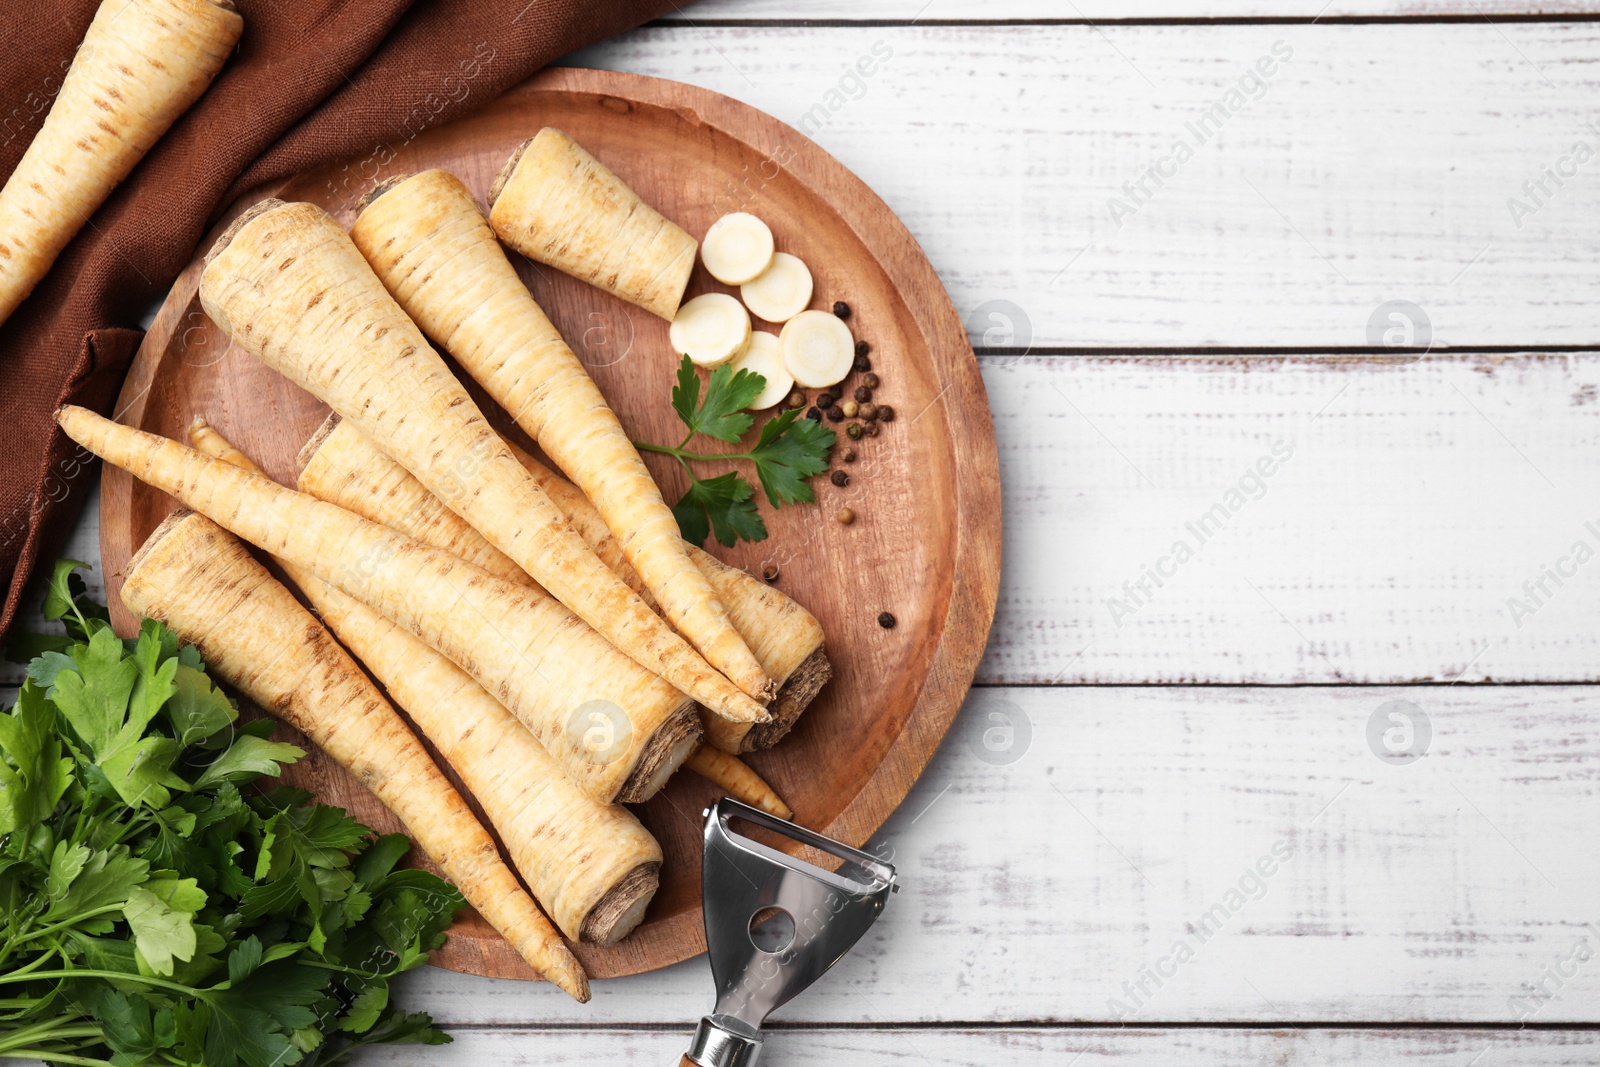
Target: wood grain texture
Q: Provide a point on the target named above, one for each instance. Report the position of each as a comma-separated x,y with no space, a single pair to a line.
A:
934,11
1392,544
1438,891
860,746
1377,165
1026,1047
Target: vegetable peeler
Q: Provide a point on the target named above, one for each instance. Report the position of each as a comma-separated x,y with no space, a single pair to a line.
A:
774,924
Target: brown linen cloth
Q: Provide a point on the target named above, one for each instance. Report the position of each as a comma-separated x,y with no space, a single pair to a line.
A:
312,81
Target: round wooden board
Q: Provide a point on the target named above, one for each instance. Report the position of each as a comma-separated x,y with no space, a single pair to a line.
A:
926,541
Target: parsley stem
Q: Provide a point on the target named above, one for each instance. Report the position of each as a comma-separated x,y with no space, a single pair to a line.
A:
681,453
51,1057
49,1030
53,927
120,976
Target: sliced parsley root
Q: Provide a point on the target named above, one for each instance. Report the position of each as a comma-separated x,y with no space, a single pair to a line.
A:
787,452
160,910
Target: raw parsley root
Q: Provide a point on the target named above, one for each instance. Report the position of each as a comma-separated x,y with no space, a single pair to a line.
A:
288,285
341,465
202,582
521,644
141,65
593,867
158,909
428,243
788,451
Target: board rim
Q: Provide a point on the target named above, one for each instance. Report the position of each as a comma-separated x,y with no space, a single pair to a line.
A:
963,405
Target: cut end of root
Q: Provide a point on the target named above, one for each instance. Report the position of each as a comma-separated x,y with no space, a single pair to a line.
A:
251,213
379,189
500,180
797,691
159,534
666,750
617,913
314,443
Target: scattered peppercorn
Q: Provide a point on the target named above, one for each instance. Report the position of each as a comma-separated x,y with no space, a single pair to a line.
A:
853,431
797,399
814,415
846,516
839,478
850,409
863,394
841,309
826,400
869,380
835,414
862,348
885,413
886,620
862,362
849,455
872,429
868,411
769,571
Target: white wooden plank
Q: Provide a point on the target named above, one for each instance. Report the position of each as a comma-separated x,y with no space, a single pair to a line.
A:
1393,545
1440,891
1083,1048
924,11
1376,164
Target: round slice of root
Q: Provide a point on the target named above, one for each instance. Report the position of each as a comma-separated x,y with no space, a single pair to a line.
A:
764,356
817,349
710,329
737,248
781,292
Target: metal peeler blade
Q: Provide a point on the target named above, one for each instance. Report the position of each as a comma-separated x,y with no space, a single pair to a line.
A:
821,915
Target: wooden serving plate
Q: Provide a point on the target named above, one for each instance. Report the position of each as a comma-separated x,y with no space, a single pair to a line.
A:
926,541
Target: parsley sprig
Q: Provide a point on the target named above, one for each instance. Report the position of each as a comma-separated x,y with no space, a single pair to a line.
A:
156,907
788,451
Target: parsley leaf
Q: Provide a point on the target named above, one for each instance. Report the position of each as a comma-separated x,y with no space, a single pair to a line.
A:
788,451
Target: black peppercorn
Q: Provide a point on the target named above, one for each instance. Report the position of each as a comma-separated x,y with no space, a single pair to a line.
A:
869,380
885,413
814,415
886,620
862,363
872,429
863,394
868,411
862,348
849,455
839,478
769,571
841,309
853,431
836,414
826,400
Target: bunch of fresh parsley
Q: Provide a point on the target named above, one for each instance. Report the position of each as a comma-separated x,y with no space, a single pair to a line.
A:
156,908
789,450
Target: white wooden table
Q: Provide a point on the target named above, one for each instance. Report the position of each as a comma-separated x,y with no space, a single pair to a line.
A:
1206,843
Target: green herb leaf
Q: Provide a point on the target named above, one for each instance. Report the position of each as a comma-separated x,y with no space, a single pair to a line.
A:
724,505
790,450
64,588
247,759
36,774
197,709
728,393
161,915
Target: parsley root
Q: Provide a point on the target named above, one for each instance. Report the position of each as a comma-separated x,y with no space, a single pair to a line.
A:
341,465
141,65
516,640
287,284
732,775
204,584
557,204
428,243
593,867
